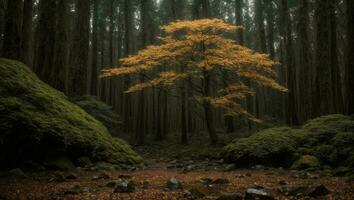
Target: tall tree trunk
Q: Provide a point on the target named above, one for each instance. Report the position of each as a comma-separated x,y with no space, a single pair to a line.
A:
305,63
350,57
209,118
61,48
78,70
94,56
44,59
324,89
2,20
27,32
290,63
184,136
338,104
13,30
128,48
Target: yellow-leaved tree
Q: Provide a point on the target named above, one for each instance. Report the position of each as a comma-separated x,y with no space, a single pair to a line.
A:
199,50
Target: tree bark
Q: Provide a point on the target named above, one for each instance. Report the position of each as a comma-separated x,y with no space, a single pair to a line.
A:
292,117
94,56
324,59
60,68
13,30
305,62
350,57
44,59
78,70
27,32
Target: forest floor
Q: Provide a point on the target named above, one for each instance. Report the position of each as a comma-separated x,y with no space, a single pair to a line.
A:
189,178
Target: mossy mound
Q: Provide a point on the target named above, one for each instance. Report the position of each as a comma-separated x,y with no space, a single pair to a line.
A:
330,139
102,112
268,147
38,122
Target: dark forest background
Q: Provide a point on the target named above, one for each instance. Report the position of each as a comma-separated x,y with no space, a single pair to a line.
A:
68,42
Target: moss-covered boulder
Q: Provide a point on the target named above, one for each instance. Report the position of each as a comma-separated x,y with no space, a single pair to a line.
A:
38,122
269,147
102,112
328,138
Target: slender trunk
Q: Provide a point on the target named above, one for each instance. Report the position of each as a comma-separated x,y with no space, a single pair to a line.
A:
324,92
304,61
291,73
128,48
2,20
335,68
94,56
61,48
13,30
184,136
209,118
27,32
45,51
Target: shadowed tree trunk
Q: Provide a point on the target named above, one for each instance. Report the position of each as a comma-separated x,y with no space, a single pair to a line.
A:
350,56
44,59
27,32
13,30
61,48
94,56
79,66
305,65
292,117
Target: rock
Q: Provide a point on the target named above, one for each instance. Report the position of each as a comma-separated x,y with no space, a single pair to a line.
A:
258,167
174,184
83,161
127,186
294,190
230,197
194,194
220,181
76,190
257,194
38,120
57,177
59,163
318,191
71,176
100,176
305,162
18,173
230,167
206,181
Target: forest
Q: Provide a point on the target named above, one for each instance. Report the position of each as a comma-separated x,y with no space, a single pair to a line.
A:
176,99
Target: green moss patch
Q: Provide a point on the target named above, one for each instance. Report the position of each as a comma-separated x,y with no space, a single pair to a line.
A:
330,139
38,122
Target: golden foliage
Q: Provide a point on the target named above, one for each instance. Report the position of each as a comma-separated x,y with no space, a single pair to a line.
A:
196,49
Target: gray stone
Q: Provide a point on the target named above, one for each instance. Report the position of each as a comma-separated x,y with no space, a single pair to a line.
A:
174,184
126,186
258,194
